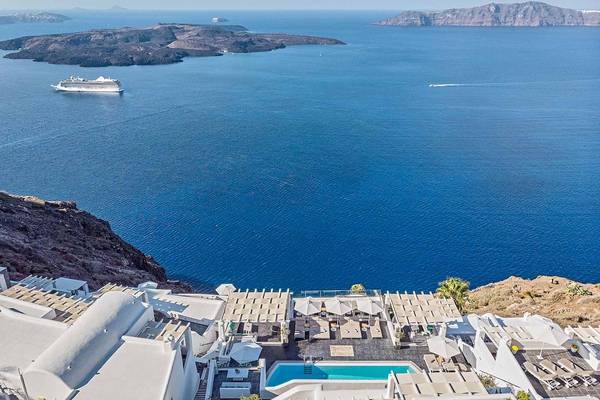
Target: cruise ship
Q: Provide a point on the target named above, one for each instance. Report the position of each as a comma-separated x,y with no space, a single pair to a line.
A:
77,84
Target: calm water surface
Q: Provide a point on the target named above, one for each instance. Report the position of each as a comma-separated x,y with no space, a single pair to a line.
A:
317,167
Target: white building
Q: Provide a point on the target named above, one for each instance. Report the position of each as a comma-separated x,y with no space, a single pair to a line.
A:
112,349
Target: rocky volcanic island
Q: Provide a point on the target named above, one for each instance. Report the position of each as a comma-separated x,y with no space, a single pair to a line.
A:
531,13
159,44
41,17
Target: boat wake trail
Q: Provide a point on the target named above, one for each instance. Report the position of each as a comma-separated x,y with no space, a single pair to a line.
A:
439,85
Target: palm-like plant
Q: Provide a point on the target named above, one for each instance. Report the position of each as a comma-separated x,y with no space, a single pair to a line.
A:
456,289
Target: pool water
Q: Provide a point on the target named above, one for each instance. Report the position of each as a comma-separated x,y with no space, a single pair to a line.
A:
285,372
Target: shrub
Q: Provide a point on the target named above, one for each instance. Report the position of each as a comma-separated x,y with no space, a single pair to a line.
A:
574,289
522,395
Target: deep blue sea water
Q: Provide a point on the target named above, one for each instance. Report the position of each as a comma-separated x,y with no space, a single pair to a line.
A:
319,167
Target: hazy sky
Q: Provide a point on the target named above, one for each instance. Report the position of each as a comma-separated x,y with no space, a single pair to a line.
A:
272,4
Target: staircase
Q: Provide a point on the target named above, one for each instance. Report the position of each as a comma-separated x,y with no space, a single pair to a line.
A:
308,368
201,393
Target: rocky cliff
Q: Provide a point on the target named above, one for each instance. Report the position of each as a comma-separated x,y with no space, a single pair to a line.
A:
32,18
159,44
565,301
56,239
530,13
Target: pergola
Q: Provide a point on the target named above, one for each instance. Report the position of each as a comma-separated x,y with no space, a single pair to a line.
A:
259,307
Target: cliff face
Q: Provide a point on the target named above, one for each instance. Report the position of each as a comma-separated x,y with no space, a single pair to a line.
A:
56,239
530,13
160,44
566,302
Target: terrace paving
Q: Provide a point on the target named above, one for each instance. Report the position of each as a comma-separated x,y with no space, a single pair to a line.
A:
555,355
366,349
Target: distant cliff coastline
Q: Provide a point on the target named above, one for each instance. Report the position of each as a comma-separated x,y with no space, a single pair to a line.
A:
55,238
530,13
159,44
42,17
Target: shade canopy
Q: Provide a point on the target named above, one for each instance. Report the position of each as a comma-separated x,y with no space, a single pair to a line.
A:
337,306
443,347
547,332
225,289
307,306
245,352
369,306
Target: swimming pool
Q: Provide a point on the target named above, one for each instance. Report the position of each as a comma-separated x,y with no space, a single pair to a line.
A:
286,371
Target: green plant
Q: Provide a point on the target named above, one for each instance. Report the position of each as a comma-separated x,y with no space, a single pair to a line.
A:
456,289
487,381
522,395
574,289
357,288
250,397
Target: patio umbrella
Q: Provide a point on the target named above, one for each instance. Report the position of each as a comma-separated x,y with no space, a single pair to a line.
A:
337,306
307,306
443,347
225,289
368,306
546,331
245,352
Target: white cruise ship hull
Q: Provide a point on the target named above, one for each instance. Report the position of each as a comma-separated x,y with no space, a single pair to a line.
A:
60,88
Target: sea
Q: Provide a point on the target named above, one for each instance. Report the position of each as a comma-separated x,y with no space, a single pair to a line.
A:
406,156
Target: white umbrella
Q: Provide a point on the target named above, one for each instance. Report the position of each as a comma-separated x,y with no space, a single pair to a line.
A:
245,352
547,331
337,306
307,306
225,289
443,347
368,306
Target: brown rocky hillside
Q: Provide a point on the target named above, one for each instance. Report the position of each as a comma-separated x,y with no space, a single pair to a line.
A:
565,301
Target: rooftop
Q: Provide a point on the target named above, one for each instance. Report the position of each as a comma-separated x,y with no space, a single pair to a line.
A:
67,308
258,306
411,309
563,391
136,370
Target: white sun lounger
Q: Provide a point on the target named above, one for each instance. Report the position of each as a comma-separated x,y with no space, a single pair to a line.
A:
544,377
431,363
565,376
586,376
375,330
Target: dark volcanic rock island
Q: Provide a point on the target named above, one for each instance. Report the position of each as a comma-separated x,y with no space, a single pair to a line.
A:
531,13
54,238
159,44
32,18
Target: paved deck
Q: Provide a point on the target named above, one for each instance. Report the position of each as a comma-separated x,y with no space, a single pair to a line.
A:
366,349
253,378
554,355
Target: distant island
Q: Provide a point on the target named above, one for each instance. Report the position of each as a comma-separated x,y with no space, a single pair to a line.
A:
159,44
531,13
42,17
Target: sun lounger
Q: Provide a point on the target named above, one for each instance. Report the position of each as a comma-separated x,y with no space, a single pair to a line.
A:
351,330
586,376
565,376
476,388
544,377
427,389
323,329
459,388
375,330
449,366
431,363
